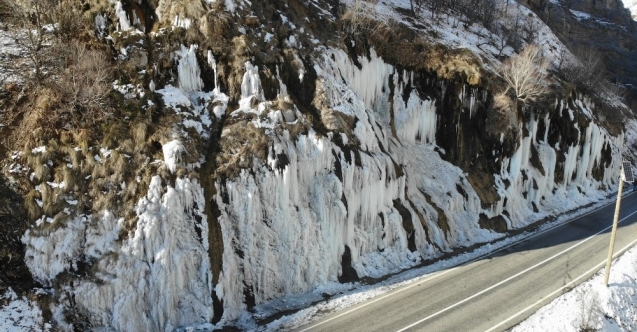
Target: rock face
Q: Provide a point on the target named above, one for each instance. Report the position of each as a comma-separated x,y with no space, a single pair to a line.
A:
14,272
602,25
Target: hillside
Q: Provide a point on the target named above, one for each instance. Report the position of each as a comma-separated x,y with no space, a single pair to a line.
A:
175,164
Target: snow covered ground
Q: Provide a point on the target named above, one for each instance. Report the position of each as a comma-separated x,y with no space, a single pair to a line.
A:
592,305
632,6
20,314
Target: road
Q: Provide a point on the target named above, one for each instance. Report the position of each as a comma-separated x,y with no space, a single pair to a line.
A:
495,292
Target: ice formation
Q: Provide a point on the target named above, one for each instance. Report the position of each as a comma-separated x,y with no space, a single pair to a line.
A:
156,280
251,90
540,192
384,205
161,279
172,154
124,23
323,197
188,69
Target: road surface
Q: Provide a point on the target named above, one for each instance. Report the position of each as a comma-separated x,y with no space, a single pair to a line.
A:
496,292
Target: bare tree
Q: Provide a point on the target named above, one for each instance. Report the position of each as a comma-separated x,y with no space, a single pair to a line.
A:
524,75
85,82
588,71
31,18
74,76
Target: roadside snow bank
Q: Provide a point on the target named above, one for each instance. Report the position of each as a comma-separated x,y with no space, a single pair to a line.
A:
592,305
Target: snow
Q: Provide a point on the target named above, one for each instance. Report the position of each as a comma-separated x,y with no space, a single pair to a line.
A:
632,6
172,154
194,107
592,304
581,15
20,314
128,90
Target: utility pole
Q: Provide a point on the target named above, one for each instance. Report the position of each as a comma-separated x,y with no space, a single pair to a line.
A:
626,174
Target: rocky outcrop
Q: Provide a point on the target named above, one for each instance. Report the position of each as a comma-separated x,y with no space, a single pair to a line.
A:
605,26
14,272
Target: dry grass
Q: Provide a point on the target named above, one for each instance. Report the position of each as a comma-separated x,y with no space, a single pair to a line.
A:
397,43
240,143
167,10
32,208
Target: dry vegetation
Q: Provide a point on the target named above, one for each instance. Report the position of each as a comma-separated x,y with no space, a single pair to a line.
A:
525,76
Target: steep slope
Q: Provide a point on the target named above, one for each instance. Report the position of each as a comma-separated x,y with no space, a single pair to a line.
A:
587,25
271,148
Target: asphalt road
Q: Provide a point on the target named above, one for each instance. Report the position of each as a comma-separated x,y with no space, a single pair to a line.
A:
496,292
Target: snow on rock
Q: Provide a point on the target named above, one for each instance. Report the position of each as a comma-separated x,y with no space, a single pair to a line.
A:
173,97
632,6
20,314
172,154
189,100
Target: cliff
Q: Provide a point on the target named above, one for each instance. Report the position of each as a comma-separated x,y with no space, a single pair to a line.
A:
606,27
263,150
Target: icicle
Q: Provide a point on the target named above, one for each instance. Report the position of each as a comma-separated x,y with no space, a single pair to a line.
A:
188,69
213,64
124,23
283,89
250,87
100,23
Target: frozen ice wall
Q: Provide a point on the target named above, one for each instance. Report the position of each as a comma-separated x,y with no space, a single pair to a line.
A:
124,22
160,278
156,280
287,221
286,224
188,69
533,191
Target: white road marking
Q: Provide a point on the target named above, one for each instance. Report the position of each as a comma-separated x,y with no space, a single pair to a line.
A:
596,267
509,278
441,273
381,298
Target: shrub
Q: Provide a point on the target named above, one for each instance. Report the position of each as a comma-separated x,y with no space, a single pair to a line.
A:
524,75
84,84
